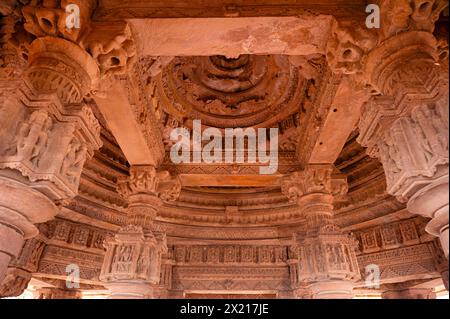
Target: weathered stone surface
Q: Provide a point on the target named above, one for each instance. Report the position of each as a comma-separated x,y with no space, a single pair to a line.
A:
358,202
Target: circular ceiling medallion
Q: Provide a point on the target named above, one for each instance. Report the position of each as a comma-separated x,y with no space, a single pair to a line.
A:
246,91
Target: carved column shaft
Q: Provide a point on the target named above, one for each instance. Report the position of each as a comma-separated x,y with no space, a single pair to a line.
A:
318,210
132,265
327,265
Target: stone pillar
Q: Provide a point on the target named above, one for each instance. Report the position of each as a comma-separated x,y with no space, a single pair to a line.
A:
407,127
132,265
327,262
47,133
406,122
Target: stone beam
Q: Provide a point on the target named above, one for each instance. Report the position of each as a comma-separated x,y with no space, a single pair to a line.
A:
232,36
113,10
341,120
119,114
213,180
330,113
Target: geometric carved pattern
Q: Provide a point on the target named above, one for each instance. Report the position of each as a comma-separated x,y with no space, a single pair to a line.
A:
237,279
401,262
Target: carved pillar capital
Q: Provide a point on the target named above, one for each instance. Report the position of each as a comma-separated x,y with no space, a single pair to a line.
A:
60,66
48,143
405,33
405,15
314,190
146,189
48,131
408,131
110,45
412,145
387,72
314,179
132,264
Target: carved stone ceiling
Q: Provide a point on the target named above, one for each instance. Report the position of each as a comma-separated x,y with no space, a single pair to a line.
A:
253,91
248,91
239,92
274,80
245,64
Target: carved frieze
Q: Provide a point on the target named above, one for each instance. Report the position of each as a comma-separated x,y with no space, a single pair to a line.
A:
226,254
390,236
230,278
76,235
